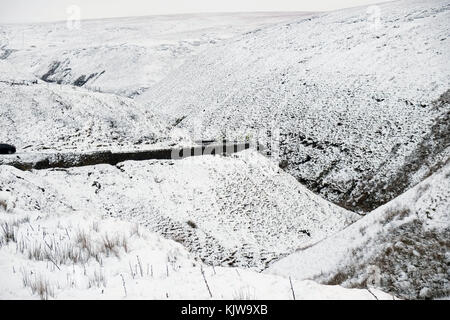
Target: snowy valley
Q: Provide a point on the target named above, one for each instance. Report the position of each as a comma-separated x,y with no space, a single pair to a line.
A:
343,193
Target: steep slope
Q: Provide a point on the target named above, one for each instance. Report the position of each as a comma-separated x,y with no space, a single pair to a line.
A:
239,210
403,247
49,250
355,105
35,115
124,56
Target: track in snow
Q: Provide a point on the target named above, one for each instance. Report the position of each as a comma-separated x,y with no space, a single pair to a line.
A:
69,159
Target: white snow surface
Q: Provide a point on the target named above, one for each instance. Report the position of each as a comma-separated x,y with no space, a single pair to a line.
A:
240,210
43,116
403,247
349,98
168,271
356,110
124,56
54,245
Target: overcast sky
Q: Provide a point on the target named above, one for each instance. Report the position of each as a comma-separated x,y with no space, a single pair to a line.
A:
12,11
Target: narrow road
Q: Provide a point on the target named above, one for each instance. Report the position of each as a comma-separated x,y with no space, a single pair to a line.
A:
39,161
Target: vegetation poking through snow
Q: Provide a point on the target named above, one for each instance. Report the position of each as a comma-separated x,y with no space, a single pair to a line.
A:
401,247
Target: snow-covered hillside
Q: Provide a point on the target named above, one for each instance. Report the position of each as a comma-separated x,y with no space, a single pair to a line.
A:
57,252
349,109
62,243
240,210
123,55
39,115
356,103
403,247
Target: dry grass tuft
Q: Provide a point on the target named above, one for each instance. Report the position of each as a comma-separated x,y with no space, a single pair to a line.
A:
38,285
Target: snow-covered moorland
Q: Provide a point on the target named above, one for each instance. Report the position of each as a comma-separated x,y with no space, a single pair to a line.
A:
50,249
357,103
401,247
124,56
43,116
351,109
240,210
